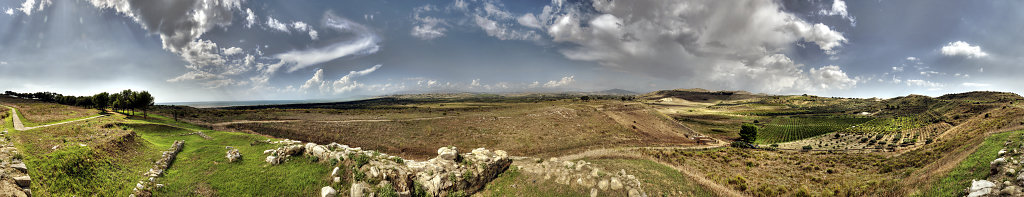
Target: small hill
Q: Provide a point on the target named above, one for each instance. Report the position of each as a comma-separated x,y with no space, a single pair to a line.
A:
700,95
983,96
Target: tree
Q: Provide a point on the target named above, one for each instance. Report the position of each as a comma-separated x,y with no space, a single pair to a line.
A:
101,100
142,101
748,133
127,101
117,101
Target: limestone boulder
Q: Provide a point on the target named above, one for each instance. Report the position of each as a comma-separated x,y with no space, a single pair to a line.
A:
980,188
233,155
328,191
359,189
615,183
447,153
20,166
23,181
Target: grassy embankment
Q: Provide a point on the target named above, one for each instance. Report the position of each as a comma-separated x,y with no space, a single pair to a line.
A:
109,155
975,166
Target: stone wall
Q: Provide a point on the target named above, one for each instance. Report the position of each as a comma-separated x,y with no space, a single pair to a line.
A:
450,172
143,187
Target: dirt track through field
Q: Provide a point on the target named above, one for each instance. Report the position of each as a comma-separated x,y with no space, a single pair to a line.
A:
21,127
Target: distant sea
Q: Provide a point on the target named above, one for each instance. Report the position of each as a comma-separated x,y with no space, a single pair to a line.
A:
215,104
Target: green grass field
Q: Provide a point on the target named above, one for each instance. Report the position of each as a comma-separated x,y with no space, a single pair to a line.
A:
201,168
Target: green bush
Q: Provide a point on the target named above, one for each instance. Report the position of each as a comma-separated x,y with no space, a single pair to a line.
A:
386,191
360,159
808,147
748,133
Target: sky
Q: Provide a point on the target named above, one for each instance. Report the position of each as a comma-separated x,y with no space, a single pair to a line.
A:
231,50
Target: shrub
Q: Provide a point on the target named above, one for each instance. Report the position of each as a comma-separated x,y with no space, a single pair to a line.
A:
739,182
748,133
742,144
418,191
386,191
808,147
358,175
457,194
361,159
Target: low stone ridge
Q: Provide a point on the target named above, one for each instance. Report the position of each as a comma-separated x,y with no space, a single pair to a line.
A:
14,178
200,133
144,187
583,174
373,172
1005,178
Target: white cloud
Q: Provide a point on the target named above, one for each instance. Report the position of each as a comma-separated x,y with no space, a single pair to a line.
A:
923,83
3,62
176,30
193,75
911,58
428,32
344,84
232,51
250,18
9,11
427,27
503,31
277,25
27,6
529,20
839,9
898,68
961,48
301,26
317,81
831,77
969,84
931,73
347,83
739,42
365,42
313,34
820,34
560,83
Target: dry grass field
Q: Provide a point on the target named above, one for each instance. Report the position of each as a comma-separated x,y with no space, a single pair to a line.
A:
39,113
528,129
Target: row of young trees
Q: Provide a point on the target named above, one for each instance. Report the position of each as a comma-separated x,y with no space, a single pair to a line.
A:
125,101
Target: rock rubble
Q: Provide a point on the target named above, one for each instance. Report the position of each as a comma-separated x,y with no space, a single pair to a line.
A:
372,172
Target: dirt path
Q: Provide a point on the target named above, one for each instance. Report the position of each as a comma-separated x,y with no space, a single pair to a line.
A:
21,127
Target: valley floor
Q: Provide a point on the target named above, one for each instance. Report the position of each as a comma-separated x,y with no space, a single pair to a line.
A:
656,145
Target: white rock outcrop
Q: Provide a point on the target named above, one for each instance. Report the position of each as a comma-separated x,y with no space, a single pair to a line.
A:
447,173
